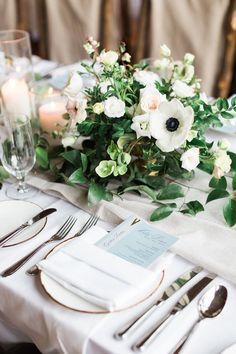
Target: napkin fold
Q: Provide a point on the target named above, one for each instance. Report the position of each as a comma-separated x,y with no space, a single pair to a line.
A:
96,275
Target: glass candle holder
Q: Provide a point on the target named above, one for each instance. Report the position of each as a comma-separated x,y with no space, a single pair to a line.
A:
50,108
16,72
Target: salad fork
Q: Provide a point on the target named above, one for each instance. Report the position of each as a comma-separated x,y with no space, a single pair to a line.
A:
92,221
59,235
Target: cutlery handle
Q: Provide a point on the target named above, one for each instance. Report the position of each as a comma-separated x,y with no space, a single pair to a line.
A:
12,269
141,345
11,234
123,332
34,270
183,340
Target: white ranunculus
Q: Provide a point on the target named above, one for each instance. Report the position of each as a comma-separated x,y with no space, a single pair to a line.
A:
165,68
68,140
109,58
222,163
165,51
170,124
98,108
74,86
189,58
141,125
181,89
150,99
190,159
113,107
146,77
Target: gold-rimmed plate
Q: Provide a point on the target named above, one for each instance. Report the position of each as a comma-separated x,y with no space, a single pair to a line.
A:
71,301
13,213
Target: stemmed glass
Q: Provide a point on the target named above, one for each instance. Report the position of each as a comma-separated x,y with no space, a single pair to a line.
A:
17,154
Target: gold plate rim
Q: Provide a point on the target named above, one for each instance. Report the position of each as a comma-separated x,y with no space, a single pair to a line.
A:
30,238
101,312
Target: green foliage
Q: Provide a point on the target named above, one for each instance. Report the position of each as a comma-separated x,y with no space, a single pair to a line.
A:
230,212
96,193
42,157
162,212
193,208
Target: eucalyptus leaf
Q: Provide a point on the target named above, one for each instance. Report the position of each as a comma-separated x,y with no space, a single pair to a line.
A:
216,183
230,212
161,213
194,207
42,157
78,177
172,191
217,194
96,193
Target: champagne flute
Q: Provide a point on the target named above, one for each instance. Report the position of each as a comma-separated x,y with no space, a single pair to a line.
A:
17,154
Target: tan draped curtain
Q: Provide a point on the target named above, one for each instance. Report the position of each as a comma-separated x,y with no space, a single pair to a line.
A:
8,14
195,26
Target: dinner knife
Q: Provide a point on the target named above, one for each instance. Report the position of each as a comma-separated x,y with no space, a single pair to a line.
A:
184,301
177,284
28,223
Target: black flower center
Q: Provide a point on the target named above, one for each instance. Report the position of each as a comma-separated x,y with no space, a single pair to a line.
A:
172,124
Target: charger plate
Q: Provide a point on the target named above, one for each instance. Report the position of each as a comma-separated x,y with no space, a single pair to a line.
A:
71,301
13,213
230,350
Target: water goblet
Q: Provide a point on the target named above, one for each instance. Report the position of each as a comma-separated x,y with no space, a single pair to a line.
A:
17,154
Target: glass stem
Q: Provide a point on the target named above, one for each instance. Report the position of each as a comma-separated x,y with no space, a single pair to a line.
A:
21,188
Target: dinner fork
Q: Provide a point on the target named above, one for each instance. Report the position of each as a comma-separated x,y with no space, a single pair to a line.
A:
59,235
92,221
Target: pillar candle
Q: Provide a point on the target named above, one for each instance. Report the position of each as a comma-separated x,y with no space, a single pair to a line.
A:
51,115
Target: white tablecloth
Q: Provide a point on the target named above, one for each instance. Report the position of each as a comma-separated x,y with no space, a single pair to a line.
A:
28,314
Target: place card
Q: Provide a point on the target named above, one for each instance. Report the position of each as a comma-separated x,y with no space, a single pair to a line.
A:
137,241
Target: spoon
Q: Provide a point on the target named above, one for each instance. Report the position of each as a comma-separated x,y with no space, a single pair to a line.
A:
210,305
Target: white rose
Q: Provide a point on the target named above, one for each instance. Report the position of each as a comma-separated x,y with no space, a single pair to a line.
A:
109,58
141,125
190,159
189,58
68,141
146,77
165,51
74,86
113,107
181,89
150,99
222,163
98,108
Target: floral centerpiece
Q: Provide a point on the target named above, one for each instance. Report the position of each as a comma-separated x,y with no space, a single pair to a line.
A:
144,130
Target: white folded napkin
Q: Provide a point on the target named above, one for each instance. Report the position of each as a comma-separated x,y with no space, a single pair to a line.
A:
97,275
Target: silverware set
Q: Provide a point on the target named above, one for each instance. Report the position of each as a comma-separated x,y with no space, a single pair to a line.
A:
58,236
209,306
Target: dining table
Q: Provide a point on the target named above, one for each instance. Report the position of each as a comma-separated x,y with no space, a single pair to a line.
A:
29,314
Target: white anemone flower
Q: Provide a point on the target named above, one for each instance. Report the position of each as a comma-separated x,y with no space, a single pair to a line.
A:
141,125
170,124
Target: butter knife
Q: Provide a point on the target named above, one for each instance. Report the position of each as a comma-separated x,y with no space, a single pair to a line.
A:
184,278
28,223
185,300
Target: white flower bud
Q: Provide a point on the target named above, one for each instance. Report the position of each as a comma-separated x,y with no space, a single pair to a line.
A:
98,108
189,58
165,51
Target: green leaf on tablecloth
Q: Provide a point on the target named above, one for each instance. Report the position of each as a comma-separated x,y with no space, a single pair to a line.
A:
152,181
194,207
234,182
162,212
78,177
142,189
230,212
216,183
96,193
217,194
42,157
227,115
232,155
3,174
172,191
